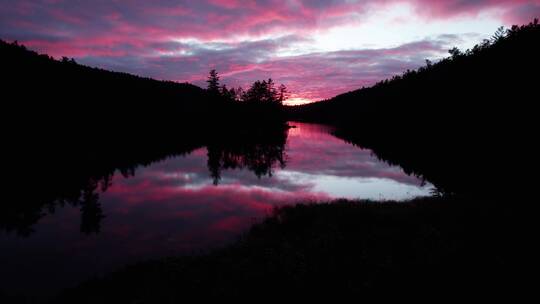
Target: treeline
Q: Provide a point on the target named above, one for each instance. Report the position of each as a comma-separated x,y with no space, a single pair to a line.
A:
259,92
42,91
260,106
464,123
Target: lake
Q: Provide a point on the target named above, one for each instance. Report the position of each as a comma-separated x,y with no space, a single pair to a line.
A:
190,203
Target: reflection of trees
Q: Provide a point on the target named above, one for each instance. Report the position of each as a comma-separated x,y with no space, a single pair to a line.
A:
77,177
56,179
91,213
260,156
34,199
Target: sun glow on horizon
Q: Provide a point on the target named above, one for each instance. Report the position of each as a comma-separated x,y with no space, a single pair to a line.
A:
298,101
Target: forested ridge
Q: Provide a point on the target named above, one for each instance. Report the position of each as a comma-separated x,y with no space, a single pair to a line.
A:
463,123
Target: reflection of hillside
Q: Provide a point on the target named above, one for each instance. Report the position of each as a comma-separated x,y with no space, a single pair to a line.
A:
71,175
76,175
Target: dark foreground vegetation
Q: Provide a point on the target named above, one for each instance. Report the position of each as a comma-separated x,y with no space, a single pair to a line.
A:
426,246
452,122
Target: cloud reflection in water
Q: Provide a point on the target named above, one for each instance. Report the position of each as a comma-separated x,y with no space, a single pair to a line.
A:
173,207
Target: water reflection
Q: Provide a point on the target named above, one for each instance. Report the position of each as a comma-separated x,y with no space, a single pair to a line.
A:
192,202
258,154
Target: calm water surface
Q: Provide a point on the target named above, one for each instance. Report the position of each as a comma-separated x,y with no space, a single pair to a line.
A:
181,205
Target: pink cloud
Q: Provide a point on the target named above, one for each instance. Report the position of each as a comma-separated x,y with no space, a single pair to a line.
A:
451,8
219,19
230,4
142,37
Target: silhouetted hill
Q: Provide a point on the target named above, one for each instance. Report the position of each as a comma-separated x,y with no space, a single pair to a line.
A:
47,95
463,123
46,90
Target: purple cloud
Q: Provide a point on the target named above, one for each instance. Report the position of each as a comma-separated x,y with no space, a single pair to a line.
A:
182,40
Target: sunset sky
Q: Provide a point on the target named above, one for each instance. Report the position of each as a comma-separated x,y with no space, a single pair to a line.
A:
317,48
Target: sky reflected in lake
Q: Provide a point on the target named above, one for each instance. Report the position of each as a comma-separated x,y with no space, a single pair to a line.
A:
179,206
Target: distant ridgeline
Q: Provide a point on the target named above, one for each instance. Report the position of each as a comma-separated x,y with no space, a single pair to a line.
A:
64,92
46,92
464,123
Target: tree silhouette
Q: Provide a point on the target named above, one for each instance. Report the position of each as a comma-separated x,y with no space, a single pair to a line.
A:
283,93
499,34
213,82
265,92
455,52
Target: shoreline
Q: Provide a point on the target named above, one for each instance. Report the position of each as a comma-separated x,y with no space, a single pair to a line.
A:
343,246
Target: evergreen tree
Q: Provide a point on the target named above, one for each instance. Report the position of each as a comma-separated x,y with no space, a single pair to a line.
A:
499,34
270,92
213,82
283,93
